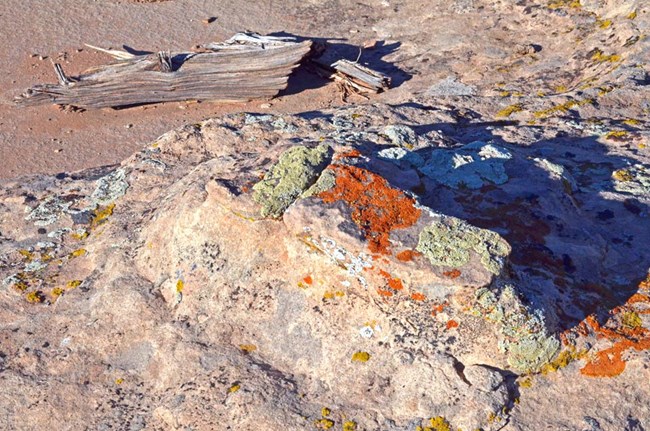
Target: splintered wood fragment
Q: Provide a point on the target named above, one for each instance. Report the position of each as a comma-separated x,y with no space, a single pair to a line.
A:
63,80
350,74
362,78
247,66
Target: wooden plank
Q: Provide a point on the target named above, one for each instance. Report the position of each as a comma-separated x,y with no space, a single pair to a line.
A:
243,68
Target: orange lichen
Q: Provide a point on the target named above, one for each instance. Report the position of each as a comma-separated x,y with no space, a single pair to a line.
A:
386,293
248,348
354,153
438,308
454,273
626,335
377,208
452,324
393,283
417,296
407,255
308,280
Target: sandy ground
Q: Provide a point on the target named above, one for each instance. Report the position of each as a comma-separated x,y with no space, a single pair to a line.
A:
530,54
48,140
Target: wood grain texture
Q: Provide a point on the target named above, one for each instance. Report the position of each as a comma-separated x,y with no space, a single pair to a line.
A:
245,67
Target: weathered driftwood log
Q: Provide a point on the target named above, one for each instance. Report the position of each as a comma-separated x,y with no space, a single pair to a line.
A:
245,67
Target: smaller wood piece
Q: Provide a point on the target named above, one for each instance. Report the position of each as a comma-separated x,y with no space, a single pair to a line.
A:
245,67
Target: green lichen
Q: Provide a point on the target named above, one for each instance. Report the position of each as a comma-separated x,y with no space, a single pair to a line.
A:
525,339
450,242
296,171
326,181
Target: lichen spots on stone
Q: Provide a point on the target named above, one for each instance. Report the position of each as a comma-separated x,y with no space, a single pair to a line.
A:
624,330
453,274
77,253
417,296
35,297
179,286
324,423
234,388
349,426
101,214
451,241
361,357
406,255
452,324
377,208
509,110
247,348
73,284
297,170
439,423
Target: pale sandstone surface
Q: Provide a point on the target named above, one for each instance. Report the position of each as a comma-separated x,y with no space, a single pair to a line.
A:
461,249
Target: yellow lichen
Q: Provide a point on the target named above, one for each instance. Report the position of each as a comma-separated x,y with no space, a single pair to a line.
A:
438,423
324,423
557,4
57,291
598,56
349,426
632,122
82,234
34,297
622,175
632,320
632,15
179,286
361,357
563,359
509,110
28,255
73,283
101,214
78,252
325,412
604,23
526,382
616,134
562,108
234,388
119,381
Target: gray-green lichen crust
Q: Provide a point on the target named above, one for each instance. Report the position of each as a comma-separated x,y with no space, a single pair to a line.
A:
525,340
296,171
449,242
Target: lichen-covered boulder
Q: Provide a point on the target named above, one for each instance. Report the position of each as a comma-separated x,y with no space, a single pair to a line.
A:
295,172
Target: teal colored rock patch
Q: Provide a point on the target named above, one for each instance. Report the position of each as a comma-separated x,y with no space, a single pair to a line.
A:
470,166
450,242
296,171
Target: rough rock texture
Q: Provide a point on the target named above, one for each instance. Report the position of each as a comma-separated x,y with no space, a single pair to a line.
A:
470,253
163,294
